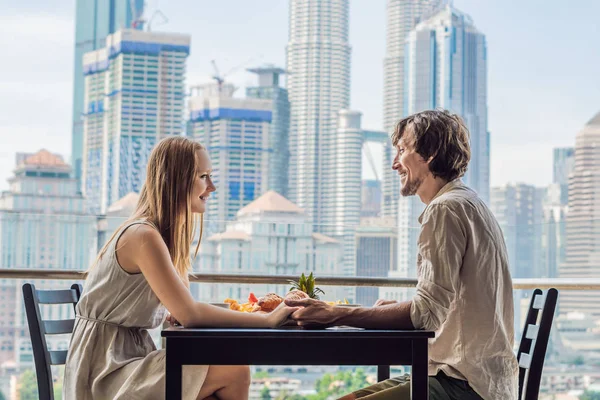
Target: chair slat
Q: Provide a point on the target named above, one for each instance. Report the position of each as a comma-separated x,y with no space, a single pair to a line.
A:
56,296
59,327
532,331
58,357
525,361
539,301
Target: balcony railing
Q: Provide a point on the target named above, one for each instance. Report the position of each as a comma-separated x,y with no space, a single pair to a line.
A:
542,283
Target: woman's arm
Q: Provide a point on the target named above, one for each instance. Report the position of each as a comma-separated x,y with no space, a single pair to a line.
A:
146,248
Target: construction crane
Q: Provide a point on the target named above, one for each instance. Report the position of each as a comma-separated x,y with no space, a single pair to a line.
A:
137,19
220,79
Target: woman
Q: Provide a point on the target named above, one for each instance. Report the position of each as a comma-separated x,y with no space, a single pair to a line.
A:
142,272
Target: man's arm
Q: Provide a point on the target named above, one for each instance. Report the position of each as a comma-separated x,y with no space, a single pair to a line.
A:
318,313
391,316
442,245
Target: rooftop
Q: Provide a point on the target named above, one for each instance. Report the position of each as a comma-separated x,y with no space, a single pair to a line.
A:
271,202
42,158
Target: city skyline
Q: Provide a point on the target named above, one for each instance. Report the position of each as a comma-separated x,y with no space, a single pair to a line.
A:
548,120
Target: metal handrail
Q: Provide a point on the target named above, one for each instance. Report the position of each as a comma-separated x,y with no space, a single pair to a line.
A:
542,283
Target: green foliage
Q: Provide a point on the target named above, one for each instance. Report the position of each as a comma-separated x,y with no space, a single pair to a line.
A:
265,394
260,375
28,389
28,386
590,396
578,361
339,384
2,396
307,285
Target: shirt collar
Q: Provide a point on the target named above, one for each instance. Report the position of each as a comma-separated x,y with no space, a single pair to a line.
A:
445,189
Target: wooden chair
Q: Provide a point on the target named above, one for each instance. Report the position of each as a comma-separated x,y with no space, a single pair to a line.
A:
534,342
38,329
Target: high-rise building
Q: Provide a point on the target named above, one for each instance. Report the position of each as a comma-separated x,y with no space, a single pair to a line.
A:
563,162
94,21
318,66
370,198
237,134
582,258
43,225
268,88
555,210
402,17
376,247
445,67
518,209
554,232
258,242
347,185
134,96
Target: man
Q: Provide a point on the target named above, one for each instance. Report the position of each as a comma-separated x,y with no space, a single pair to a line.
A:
464,289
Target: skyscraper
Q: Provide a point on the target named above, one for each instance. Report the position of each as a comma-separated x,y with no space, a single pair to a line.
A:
318,66
553,239
582,258
43,225
518,209
376,247
445,67
94,21
134,97
347,186
237,134
268,88
370,198
402,17
564,158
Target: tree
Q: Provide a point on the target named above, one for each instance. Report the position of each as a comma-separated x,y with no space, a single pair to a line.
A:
578,361
265,393
28,386
261,375
2,396
590,396
28,389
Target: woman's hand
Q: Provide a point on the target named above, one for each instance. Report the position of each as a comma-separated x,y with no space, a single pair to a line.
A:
280,315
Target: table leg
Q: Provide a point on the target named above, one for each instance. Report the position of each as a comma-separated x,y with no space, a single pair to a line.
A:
383,372
173,373
419,381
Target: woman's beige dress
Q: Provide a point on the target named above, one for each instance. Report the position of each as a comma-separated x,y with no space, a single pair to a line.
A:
111,355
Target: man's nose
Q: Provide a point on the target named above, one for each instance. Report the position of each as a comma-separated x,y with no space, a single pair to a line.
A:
395,163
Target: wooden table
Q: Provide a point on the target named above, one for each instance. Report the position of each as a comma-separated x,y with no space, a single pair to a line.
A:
297,346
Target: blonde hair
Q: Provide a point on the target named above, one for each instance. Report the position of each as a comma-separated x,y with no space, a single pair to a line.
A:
166,198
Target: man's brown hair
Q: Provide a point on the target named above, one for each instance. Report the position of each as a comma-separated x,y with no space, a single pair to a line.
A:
441,136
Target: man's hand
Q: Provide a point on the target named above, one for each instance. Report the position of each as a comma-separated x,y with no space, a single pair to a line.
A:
172,321
314,312
383,302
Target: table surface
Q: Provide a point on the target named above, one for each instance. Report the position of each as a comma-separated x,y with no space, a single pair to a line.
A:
295,332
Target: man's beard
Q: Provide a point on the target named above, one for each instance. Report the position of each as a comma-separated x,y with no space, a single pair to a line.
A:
410,187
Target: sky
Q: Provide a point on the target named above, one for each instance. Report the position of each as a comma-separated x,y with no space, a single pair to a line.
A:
543,60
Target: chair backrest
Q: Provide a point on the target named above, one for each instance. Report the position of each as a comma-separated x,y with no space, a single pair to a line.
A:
38,329
534,342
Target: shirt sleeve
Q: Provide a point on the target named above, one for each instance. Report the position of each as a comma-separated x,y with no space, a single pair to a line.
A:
441,248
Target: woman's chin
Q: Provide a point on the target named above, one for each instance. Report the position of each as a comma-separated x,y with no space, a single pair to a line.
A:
199,209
